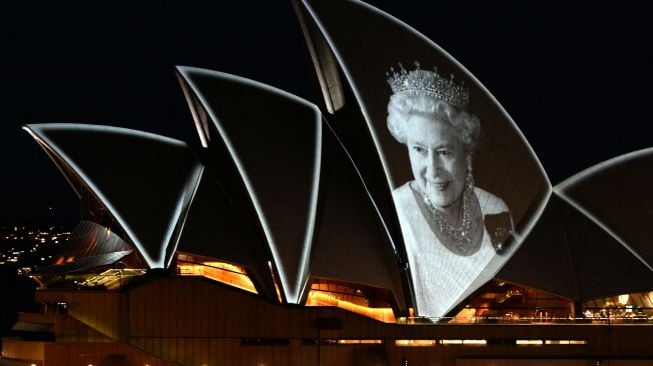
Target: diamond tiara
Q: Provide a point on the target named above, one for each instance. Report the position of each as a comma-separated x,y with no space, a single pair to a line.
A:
426,82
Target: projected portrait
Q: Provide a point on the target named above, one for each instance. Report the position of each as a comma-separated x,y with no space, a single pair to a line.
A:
452,228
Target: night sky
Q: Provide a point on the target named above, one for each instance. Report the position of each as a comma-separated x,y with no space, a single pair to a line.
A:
577,81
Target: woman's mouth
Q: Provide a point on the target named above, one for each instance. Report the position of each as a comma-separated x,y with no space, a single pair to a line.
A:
440,186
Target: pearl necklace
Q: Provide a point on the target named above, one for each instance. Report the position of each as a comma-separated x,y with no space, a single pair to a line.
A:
457,239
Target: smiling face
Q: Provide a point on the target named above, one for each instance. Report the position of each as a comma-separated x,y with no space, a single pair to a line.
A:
437,158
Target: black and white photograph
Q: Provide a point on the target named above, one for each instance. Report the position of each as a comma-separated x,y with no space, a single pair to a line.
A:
441,211
466,185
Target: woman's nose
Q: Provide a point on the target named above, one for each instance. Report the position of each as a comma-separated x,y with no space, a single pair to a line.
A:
433,167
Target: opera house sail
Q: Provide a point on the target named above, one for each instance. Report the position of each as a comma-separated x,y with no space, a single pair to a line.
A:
403,220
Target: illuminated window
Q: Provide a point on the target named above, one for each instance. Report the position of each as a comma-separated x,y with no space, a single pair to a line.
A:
451,341
415,342
330,341
625,308
475,342
565,341
468,342
502,302
360,341
226,273
112,279
529,342
355,298
316,298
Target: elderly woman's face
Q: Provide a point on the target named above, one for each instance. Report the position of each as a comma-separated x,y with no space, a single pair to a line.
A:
437,158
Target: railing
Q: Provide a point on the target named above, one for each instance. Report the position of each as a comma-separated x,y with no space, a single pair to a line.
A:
612,320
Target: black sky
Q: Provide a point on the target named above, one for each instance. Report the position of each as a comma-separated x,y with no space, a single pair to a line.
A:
575,78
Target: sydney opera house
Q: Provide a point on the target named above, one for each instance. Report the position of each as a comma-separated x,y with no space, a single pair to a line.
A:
406,221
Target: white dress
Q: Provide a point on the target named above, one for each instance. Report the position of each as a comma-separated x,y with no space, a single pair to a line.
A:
440,278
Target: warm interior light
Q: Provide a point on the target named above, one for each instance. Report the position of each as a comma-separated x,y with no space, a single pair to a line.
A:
113,279
360,341
415,342
529,342
218,271
467,342
451,341
466,315
565,341
577,342
319,298
475,342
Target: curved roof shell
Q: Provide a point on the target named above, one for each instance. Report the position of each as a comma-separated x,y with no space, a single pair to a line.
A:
145,181
298,179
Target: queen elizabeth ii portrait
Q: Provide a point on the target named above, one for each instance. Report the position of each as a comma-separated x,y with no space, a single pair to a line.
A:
451,228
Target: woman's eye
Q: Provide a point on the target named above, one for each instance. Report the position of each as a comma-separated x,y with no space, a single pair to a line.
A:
419,149
444,152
